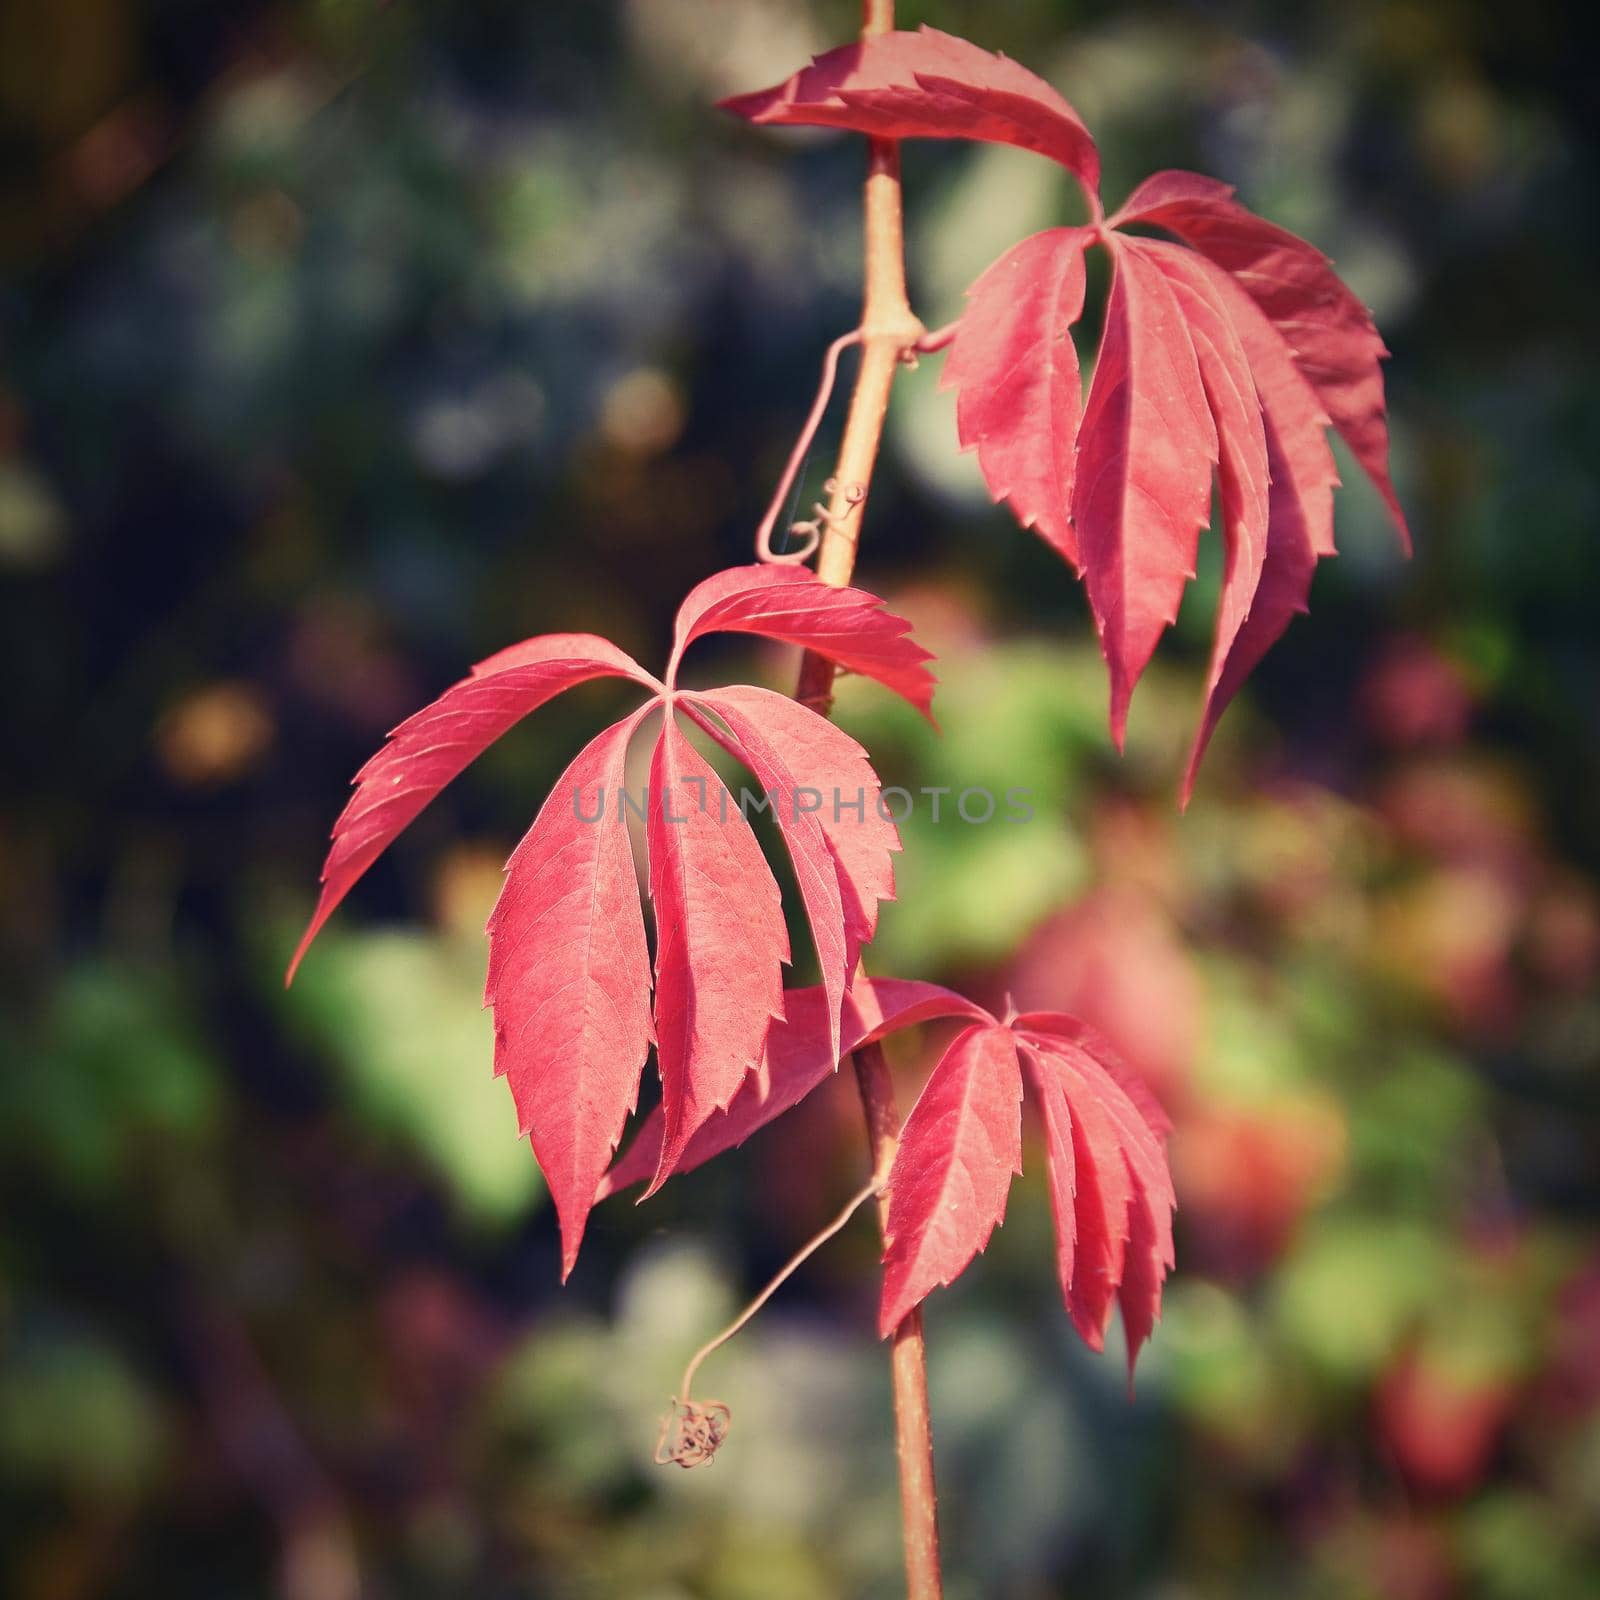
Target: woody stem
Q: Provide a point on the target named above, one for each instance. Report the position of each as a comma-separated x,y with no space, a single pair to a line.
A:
908,1365
889,333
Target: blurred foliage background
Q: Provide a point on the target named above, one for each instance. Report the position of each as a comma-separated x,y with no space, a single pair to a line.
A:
342,343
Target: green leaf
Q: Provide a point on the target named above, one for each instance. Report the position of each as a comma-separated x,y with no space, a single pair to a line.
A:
399,1015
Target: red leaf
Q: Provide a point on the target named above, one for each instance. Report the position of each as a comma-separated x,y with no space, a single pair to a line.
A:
720,941
1302,476
797,1059
842,864
929,85
1102,1195
1111,1192
1015,369
1058,1027
1236,407
1122,1198
429,749
1328,330
861,836
959,1150
815,870
1204,354
1289,405
1281,595
1145,1268
1061,1170
848,626
569,979
1145,453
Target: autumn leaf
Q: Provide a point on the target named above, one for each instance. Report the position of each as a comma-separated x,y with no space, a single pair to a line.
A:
580,880
1243,473
1019,394
1226,355
959,1150
1201,372
1327,330
1117,1181
1110,1189
569,974
1146,449
720,940
928,85
1112,1200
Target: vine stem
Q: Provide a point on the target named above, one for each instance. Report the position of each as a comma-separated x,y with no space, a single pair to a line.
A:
889,335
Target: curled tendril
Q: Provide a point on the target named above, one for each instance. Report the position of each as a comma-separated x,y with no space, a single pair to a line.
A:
810,530
692,1432
821,518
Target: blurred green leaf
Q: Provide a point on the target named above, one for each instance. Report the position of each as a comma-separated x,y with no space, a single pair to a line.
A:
116,1063
74,1417
1354,1288
1518,1545
400,1015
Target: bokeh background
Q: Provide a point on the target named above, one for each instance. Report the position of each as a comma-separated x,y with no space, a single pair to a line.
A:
342,343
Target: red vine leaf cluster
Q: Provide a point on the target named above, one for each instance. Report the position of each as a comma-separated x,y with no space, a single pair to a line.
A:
1230,348
569,967
1228,351
1105,1140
